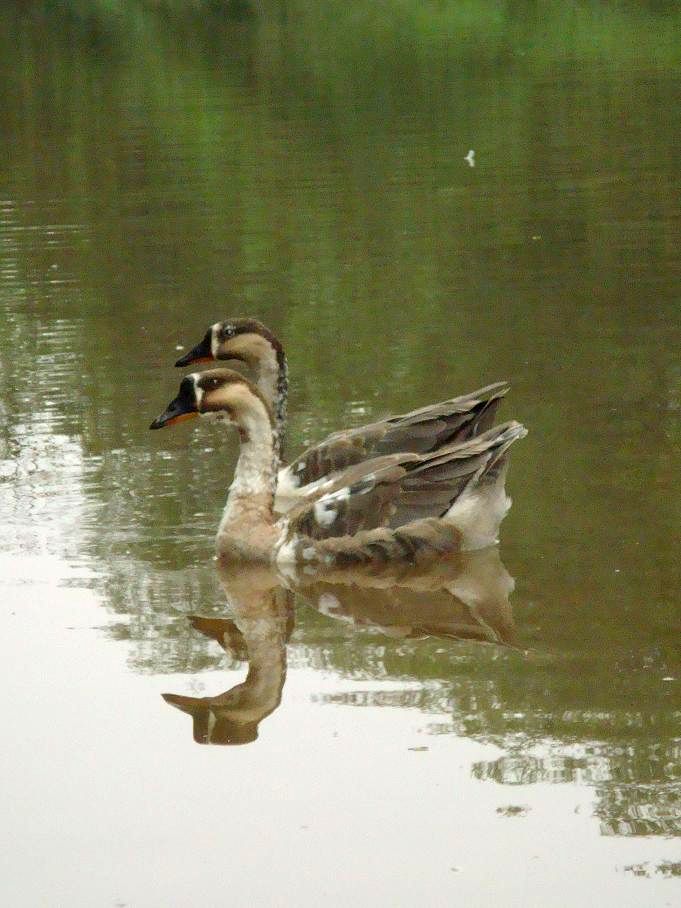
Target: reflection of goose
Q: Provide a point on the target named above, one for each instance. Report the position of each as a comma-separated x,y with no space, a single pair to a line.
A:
263,620
463,598
397,507
419,431
224,631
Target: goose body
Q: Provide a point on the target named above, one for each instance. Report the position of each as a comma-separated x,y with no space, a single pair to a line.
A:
420,431
403,506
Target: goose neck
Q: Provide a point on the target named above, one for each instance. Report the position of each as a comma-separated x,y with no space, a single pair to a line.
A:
251,496
272,380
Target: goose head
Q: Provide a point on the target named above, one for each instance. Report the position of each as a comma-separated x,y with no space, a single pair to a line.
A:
243,339
218,394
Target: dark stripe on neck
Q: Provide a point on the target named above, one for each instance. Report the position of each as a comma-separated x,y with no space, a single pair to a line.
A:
282,400
253,326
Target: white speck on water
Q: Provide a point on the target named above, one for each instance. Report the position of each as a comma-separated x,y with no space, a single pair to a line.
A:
669,678
470,158
179,346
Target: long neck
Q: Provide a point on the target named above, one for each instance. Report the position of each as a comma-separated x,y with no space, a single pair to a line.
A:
266,662
251,494
271,378
260,693
261,610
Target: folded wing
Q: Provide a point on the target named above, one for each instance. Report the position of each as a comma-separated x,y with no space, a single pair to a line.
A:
401,490
419,432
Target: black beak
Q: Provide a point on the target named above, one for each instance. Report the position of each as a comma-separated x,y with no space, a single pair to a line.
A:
189,705
202,353
209,727
183,407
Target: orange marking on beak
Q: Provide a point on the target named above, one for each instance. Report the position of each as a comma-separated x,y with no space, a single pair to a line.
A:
181,418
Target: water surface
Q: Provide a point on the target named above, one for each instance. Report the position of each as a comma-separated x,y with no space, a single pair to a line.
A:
401,746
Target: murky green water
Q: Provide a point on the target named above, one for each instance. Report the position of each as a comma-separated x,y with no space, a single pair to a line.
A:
158,175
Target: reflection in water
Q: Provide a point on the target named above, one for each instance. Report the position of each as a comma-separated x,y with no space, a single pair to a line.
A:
263,621
638,793
635,781
462,598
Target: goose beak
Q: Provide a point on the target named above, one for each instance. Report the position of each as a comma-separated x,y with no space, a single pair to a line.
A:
201,353
177,410
186,704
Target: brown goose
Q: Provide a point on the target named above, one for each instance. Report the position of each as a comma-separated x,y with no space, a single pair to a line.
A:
420,431
405,506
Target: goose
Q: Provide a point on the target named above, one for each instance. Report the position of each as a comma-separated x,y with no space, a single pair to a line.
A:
401,506
419,431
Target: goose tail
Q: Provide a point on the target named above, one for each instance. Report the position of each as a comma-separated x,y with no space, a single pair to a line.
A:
478,510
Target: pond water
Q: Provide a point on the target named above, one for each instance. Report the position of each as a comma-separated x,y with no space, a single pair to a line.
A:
469,738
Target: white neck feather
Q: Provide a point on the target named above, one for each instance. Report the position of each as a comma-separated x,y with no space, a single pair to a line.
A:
255,476
254,471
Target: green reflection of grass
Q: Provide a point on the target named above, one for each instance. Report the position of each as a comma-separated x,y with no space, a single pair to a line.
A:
436,33
359,40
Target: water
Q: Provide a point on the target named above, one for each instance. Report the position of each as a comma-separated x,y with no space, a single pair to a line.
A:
394,746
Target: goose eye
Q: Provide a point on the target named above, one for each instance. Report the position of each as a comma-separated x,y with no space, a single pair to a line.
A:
211,383
227,331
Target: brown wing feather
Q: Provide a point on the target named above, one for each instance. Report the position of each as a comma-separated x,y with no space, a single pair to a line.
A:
400,489
366,502
419,432
417,543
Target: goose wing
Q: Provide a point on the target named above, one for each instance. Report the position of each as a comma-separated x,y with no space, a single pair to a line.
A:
419,432
398,489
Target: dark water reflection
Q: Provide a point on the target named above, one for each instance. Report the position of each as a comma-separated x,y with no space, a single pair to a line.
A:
157,177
